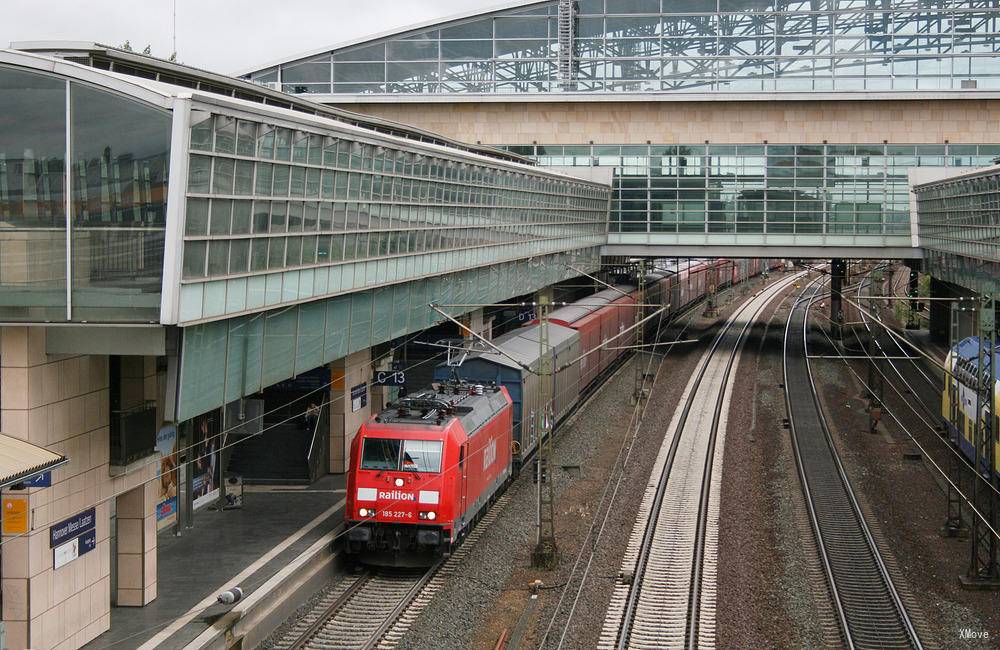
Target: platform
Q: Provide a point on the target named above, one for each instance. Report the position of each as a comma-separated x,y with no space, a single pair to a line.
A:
245,547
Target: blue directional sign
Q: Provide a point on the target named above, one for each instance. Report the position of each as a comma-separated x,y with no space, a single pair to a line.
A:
39,480
72,527
88,541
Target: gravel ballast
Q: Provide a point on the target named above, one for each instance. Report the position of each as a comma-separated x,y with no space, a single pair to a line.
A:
491,590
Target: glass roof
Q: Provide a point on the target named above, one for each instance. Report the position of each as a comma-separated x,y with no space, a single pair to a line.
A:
693,46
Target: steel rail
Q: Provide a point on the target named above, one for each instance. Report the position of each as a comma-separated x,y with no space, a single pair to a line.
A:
927,422
367,587
621,462
330,612
628,617
870,610
403,603
865,318
884,355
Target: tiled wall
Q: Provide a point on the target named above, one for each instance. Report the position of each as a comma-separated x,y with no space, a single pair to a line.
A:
59,402
719,122
349,371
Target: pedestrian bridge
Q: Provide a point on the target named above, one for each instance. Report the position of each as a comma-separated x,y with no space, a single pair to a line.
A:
818,240
289,237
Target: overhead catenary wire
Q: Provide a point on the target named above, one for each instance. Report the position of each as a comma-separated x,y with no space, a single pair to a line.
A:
609,286
919,446
947,373
291,418
224,432
611,488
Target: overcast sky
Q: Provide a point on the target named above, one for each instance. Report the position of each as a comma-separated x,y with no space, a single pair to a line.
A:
220,35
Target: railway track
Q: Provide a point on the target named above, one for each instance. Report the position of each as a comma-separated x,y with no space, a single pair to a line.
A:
358,615
868,606
876,334
376,607
665,594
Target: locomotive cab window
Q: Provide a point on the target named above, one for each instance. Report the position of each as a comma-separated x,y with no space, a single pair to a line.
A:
380,454
421,456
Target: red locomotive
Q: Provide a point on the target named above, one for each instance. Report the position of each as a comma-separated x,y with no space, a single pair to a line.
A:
424,469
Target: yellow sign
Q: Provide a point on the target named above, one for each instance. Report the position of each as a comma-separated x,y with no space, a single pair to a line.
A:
15,515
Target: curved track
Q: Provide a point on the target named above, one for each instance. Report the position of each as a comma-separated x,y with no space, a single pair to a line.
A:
870,610
665,595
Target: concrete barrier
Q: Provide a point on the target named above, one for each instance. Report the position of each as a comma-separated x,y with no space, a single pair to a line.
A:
254,618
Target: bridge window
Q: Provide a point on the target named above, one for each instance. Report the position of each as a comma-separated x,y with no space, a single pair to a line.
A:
118,174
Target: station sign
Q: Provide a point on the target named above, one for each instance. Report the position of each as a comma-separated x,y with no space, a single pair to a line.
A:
74,548
389,378
359,397
73,527
526,314
38,480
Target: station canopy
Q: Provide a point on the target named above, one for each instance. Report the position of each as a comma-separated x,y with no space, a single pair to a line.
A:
20,460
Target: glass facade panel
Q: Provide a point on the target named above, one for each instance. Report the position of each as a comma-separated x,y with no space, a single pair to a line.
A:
118,177
32,196
960,217
358,214
843,189
691,46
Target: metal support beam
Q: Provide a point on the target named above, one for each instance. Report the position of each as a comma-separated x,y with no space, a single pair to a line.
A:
984,572
546,553
838,272
913,319
954,525
875,386
713,283
639,362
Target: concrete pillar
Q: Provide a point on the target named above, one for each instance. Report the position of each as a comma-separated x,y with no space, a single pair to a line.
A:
60,402
346,416
478,323
136,531
547,292
940,324
381,395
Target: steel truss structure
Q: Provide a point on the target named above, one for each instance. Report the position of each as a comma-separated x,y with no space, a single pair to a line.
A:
649,46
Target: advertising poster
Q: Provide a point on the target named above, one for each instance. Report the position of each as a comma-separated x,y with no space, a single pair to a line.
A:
166,506
16,520
205,465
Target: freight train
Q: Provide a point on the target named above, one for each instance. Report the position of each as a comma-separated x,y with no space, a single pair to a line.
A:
958,400
423,470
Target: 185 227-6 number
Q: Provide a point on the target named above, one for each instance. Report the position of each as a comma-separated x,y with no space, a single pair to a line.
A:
397,514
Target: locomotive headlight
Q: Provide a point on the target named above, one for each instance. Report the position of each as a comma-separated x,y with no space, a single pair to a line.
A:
431,515
364,512
399,482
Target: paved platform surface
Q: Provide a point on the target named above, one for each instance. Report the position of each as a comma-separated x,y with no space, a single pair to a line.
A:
194,567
